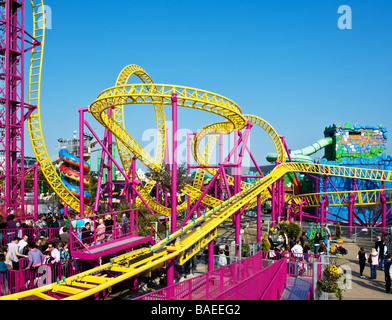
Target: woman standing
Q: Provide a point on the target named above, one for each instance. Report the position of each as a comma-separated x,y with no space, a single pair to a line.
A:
362,257
373,259
316,242
100,232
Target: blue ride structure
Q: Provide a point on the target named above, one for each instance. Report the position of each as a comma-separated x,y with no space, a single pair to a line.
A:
70,169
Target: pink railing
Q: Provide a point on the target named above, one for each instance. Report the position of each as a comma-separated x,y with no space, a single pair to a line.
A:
7,235
260,277
14,281
277,278
247,279
78,241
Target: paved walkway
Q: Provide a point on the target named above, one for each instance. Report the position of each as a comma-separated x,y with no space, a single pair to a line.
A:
362,289
297,289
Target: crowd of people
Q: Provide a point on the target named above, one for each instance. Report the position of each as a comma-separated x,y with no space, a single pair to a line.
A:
301,245
379,259
47,240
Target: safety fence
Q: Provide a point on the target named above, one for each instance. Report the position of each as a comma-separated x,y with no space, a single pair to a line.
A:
356,233
14,281
34,234
100,232
262,276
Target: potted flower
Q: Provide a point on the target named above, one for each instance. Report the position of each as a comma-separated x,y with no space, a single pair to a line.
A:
338,251
331,281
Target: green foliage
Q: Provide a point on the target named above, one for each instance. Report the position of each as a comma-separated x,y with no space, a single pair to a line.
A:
338,231
291,228
265,244
245,249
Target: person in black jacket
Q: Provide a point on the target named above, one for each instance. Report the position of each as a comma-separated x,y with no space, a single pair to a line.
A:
109,226
316,241
362,258
87,235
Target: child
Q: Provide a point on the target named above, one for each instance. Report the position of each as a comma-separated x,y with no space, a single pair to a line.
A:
48,258
222,261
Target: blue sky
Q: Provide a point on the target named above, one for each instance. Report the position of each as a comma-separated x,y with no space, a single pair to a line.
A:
285,61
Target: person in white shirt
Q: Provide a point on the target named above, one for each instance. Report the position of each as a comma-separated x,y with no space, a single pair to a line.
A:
23,243
297,250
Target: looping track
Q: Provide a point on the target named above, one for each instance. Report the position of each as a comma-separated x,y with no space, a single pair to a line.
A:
195,235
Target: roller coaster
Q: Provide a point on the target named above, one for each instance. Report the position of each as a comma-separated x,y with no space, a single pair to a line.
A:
182,244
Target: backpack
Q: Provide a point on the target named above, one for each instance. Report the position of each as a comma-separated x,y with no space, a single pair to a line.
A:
25,250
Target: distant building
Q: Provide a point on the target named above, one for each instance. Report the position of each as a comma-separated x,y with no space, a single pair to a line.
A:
355,141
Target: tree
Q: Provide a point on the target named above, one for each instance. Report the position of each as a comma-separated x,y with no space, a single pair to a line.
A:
164,177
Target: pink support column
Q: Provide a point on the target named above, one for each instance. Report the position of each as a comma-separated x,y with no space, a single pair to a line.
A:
220,162
277,191
282,198
300,212
323,210
170,264
12,117
278,194
211,256
167,167
258,219
134,179
237,189
351,213
383,211
81,159
317,190
273,205
170,279
188,159
36,191
110,166
289,210
174,166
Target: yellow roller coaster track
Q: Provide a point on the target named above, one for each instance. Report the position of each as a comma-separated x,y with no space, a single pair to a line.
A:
342,198
126,153
34,121
157,94
184,243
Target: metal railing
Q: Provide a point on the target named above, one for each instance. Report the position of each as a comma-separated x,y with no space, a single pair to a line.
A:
261,276
357,233
14,281
34,234
81,239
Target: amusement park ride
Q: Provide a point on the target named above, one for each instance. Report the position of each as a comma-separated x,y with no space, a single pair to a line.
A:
188,238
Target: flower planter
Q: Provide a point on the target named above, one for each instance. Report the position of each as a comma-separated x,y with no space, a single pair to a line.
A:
324,295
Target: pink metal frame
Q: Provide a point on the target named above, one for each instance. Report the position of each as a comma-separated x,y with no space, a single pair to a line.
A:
97,247
13,109
259,277
14,281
